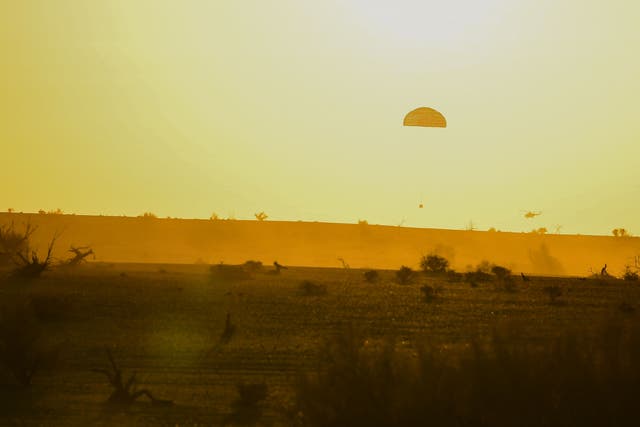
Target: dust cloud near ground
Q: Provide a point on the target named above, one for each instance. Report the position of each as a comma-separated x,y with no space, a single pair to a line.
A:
314,244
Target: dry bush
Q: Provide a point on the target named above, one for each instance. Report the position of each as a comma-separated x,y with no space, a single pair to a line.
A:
229,273
252,266
310,289
22,350
433,263
405,275
371,276
500,272
13,242
125,392
30,265
630,275
585,378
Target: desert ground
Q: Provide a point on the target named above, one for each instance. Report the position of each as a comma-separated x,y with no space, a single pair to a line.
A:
168,324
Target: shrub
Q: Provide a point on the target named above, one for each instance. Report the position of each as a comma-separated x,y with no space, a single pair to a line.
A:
405,275
630,275
22,352
434,264
30,266
371,276
125,393
253,266
13,242
227,272
500,272
574,378
311,289
476,277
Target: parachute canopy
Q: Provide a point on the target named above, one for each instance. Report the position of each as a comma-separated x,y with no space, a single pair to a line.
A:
425,117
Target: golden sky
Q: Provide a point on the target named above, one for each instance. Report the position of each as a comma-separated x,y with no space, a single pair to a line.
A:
189,107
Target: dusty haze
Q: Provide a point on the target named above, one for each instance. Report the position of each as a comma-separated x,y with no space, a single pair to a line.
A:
150,240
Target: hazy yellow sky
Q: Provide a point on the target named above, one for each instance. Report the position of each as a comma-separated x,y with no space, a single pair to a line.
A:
295,107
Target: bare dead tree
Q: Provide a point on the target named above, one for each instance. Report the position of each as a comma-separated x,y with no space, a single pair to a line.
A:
124,392
80,255
29,264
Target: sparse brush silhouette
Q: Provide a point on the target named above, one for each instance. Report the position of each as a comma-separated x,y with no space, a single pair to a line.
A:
247,409
13,241
371,276
310,289
620,232
500,272
125,393
252,266
433,263
261,216
572,378
22,352
226,272
504,280
630,275
80,254
29,264
479,275
405,275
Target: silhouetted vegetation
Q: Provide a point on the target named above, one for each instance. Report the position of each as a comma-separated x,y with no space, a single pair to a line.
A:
480,275
574,378
80,255
148,215
227,272
309,288
252,266
29,264
630,275
433,263
124,392
620,232
261,216
371,276
541,230
22,350
13,242
247,409
405,275
500,272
